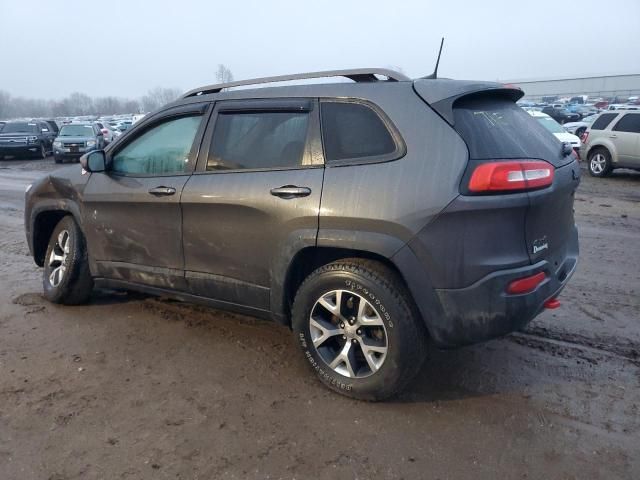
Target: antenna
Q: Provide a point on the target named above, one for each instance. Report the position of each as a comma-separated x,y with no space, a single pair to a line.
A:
435,71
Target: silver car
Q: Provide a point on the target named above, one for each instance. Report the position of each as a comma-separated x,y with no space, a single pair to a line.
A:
612,141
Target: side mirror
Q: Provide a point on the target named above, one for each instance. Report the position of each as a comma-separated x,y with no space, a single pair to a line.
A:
95,161
567,148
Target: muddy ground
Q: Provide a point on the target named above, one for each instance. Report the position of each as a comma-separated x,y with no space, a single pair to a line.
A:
135,387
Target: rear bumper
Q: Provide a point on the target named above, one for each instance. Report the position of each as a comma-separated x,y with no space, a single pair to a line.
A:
483,310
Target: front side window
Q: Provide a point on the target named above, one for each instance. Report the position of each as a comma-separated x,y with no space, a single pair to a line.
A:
353,131
258,140
628,123
162,150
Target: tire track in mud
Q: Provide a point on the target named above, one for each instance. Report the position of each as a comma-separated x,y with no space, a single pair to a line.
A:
552,341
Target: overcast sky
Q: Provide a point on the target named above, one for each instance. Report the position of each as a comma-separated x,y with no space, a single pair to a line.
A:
115,47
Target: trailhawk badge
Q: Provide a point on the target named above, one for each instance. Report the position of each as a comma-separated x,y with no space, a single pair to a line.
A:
540,244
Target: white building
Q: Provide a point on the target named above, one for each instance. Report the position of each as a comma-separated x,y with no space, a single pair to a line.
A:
604,86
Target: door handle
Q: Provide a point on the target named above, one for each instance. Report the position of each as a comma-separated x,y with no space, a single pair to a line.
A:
613,136
290,191
162,191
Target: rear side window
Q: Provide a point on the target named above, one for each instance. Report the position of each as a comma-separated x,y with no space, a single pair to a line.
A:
603,121
258,140
495,128
628,123
354,131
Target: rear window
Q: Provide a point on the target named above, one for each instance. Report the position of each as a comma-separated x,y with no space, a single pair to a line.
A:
550,124
354,131
495,128
603,121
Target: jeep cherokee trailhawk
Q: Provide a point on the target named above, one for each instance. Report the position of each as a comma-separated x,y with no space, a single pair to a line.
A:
374,217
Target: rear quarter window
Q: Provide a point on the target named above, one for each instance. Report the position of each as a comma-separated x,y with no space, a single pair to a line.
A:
353,131
496,128
628,123
603,121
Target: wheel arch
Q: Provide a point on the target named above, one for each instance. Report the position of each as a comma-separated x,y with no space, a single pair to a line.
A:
44,220
600,145
308,259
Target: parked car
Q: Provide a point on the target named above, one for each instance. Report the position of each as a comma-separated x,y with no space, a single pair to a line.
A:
76,139
107,132
416,212
612,141
561,115
623,106
578,128
30,139
556,129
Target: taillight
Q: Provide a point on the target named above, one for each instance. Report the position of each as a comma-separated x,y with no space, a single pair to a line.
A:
584,136
105,131
526,284
511,175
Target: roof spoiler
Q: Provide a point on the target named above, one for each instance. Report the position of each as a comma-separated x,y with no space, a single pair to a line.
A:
442,94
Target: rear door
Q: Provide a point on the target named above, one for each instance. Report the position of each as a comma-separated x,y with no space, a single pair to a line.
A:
131,215
495,128
253,200
625,134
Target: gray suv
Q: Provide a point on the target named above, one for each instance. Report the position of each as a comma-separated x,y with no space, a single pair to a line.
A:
377,218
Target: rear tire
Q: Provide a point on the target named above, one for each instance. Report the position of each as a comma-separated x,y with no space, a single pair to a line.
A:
66,277
43,152
599,162
359,329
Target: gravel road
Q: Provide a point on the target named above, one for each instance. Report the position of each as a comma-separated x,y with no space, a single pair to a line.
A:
134,387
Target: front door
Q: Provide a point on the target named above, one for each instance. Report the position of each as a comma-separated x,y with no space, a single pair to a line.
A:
253,199
131,214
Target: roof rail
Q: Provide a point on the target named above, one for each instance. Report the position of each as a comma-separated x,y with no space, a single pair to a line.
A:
357,75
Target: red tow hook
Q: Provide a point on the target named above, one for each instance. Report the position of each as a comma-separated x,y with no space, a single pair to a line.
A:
552,303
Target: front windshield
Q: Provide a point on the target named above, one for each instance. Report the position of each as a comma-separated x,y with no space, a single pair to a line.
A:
76,131
551,125
20,127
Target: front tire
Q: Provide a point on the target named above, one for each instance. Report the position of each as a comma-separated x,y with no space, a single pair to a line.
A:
599,162
43,152
66,277
359,329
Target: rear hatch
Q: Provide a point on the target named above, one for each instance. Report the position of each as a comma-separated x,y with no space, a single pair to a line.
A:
495,129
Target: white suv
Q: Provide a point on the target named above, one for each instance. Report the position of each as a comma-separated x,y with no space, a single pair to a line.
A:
612,141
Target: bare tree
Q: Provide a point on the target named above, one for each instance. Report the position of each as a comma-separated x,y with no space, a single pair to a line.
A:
223,74
157,97
5,104
80,103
